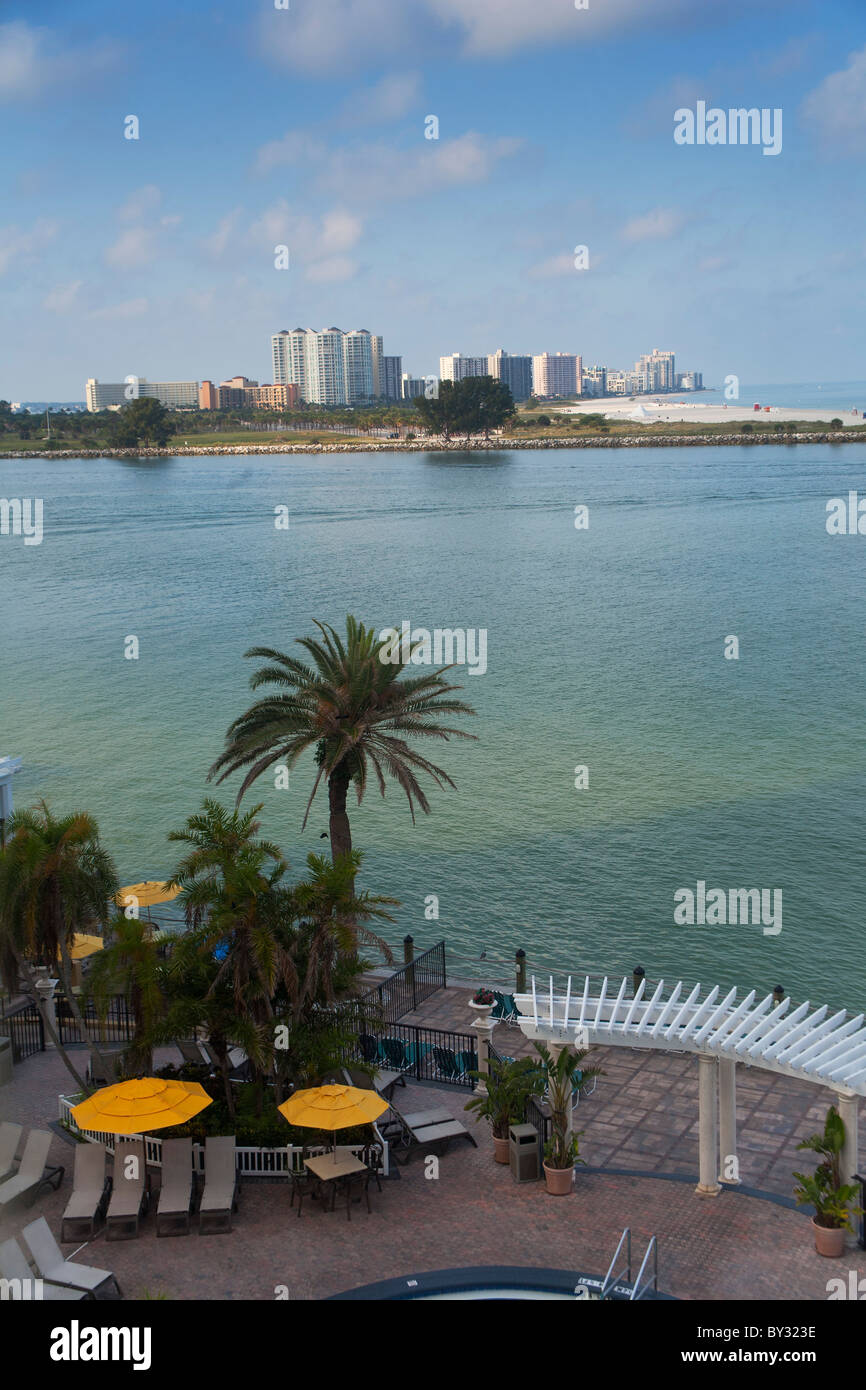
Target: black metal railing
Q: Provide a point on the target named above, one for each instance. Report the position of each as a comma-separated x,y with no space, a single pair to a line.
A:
419,1053
409,986
115,1025
24,1026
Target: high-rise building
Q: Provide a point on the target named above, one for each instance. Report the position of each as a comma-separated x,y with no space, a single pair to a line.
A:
330,367
208,396
242,393
690,381
594,381
360,379
657,371
390,378
516,372
556,374
107,395
455,367
412,386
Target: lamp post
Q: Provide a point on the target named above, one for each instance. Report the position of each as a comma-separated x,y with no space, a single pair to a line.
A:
8,768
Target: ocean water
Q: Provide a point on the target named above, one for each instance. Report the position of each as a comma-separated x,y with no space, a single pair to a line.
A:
605,649
833,396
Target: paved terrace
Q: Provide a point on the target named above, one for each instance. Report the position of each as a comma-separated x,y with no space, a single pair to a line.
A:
731,1247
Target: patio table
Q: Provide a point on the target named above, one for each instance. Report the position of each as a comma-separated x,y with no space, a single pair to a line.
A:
326,1168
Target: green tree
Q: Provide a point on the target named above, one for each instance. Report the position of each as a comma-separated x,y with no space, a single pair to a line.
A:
129,965
351,707
475,405
143,421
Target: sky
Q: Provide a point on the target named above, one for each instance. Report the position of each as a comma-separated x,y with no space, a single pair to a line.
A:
307,127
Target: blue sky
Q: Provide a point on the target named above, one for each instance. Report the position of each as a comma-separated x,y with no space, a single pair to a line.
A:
305,127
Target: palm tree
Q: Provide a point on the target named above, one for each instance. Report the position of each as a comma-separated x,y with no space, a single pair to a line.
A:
55,880
351,708
130,966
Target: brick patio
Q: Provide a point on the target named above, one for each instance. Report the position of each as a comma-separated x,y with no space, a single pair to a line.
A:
734,1246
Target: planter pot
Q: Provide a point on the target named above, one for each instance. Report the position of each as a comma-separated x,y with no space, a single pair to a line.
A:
482,1010
500,1150
829,1241
559,1180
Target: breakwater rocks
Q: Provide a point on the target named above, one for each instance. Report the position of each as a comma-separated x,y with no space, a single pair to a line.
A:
427,446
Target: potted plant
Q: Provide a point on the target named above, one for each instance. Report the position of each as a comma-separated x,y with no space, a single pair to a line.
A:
832,1199
561,1152
482,1001
509,1084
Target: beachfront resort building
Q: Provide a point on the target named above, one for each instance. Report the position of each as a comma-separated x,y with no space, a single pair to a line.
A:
239,393
556,374
515,371
656,371
330,367
111,395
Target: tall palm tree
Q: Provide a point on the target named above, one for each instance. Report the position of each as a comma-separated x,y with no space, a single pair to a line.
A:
130,966
55,880
350,706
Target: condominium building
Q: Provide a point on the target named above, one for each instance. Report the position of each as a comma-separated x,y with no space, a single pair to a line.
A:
360,381
514,371
330,367
109,395
242,393
456,367
690,381
412,386
390,378
656,371
556,374
594,381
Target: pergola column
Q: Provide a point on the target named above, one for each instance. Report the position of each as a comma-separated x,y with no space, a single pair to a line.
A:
849,1107
708,1101
483,1027
729,1164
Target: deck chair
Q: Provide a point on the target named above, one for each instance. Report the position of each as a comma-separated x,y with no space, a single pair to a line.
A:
34,1171
91,1189
220,1196
447,1064
191,1052
10,1137
405,1136
20,1279
130,1195
382,1081
176,1193
49,1261
237,1058
109,1073
369,1047
394,1052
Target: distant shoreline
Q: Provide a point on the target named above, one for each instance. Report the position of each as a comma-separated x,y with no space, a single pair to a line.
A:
402,446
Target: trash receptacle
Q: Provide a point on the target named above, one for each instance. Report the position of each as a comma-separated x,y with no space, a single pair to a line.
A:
5,1061
523,1153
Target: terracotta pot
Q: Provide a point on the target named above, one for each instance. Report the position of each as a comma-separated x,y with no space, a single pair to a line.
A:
500,1150
829,1241
559,1180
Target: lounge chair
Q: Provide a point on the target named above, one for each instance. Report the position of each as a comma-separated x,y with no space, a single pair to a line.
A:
20,1279
49,1261
91,1189
108,1071
369,1047
34,1171
130,1193
421,1129
220,1196
395,1053
237,1058
381,1081
191,1052
176,1193
10,1137
447,1064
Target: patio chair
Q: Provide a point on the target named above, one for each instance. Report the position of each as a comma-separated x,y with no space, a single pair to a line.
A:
20,1279
220,1196
130,1195
468,1061
237,1058
49,1261
108,1071
304,1184
354,1182
395,1053
406,1132
374,1159
10,1137
369,1047
191,1052
91,1189
176,1193
447,1065
34,1171
383,1082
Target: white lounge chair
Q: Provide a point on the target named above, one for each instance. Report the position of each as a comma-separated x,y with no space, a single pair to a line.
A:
20,1279
176,1192
91,1189
130,1195
33,1170
220,1196
49,1261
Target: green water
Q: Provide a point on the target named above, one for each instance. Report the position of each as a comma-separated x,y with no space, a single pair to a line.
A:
605,648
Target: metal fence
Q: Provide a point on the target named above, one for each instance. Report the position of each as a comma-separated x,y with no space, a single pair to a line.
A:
24,1026
117,1025
418,1053
408,987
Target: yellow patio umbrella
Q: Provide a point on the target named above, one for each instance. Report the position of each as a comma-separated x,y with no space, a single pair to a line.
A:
137,1107
148,893
85,945
333,1108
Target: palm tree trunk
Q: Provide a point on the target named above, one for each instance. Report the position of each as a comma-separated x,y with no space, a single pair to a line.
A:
30,984
66,975
341,832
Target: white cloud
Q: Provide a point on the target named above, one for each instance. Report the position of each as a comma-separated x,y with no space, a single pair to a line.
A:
552,267
388,100
659,225
295,147
380,173
331,270
135,247
126,309
218,243
142,203
32,61
311,238
62,298
837,108
17,244
316,37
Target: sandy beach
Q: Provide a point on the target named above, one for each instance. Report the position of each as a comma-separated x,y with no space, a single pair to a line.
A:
658,410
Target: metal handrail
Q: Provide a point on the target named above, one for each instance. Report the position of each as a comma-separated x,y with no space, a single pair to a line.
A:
652,1248
610,1279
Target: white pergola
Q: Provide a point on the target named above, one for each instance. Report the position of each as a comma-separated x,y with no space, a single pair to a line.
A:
807,1043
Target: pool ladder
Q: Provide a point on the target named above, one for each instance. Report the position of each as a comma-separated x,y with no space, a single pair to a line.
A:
611,1279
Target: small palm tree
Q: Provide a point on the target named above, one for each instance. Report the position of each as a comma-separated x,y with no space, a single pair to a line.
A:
55,880
350,706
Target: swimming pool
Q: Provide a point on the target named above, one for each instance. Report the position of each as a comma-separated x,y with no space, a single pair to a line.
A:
495,1282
